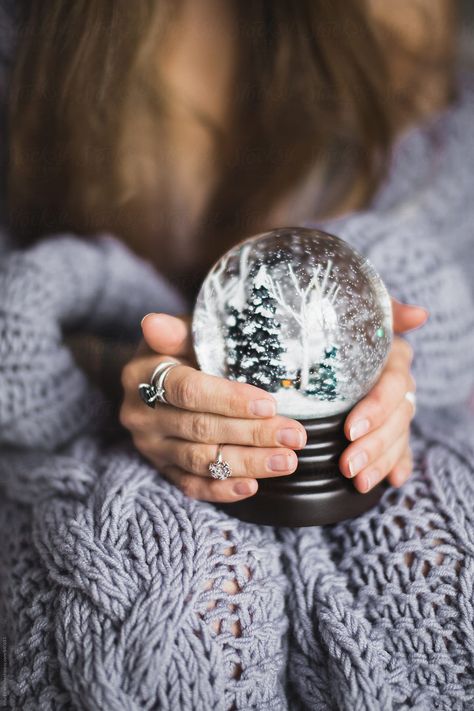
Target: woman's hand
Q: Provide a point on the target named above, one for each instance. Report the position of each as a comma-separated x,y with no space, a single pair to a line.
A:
379,425
181,439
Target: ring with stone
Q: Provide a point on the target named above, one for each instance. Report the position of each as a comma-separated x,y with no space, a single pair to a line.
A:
219,468
154,392
411,397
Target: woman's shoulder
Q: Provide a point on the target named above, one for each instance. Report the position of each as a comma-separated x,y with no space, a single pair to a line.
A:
418,152
420,221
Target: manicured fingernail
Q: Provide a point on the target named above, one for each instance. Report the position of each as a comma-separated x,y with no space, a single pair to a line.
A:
263,408
412,306
368,480
359,428
290,437
245,488
146,315
422,308
427,315
280,462
357,462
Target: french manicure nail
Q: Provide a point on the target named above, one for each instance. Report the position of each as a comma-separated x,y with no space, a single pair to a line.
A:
412,306
280,462
145,316
245,487
290,437
369,479
359,428
422,308
263,408
357,462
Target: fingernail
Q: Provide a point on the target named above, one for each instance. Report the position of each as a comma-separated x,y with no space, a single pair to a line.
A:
357,462
422,308
412,306
146,315
263,408
359,428
290,437
245,488
280,462
368,480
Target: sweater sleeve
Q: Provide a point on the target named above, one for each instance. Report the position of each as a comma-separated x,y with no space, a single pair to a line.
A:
415,234
65,282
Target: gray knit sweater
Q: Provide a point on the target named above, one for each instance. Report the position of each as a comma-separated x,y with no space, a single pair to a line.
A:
112,591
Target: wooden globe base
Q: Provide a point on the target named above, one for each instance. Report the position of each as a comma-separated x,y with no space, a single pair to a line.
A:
317,493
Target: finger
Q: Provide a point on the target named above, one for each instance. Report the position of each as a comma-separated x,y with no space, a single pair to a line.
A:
402,470
197,487
190,389
401,354
372,411
208,428
378,470
407,317
167,334
368,449
252,462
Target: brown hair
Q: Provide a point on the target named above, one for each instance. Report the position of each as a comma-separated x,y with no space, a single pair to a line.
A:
312,86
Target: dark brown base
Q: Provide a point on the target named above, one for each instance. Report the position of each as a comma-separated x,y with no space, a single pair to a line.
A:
317,493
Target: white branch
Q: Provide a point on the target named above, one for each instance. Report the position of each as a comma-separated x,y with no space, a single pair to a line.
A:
294,280
326,276
275,291
238,297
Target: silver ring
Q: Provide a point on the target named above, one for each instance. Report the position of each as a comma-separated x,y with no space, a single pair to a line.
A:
411,397
154,391
219,468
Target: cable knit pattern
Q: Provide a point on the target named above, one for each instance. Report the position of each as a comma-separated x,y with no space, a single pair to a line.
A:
120,593
65,283
117,580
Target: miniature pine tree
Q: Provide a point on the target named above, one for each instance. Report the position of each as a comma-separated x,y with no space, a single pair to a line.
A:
253,346
323,379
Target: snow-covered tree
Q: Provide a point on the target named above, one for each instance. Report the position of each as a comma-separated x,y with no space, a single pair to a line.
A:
310,305
323,378
253,346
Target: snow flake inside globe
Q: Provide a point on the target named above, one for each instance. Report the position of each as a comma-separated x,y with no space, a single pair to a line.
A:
299,313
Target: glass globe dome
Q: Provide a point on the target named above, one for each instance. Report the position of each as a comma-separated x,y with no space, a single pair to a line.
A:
299,313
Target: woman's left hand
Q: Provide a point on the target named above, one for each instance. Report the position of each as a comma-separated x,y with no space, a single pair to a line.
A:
379,425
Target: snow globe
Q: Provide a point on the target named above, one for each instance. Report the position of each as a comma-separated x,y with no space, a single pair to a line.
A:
299,313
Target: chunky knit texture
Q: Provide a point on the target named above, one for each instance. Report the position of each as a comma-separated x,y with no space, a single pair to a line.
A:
120,593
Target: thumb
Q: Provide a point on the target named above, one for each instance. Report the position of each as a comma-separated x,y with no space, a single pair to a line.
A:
166,334
407,317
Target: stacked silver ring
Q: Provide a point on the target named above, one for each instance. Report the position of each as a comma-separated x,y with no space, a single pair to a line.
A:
154,392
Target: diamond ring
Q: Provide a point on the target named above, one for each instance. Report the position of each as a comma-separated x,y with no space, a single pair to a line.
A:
219,468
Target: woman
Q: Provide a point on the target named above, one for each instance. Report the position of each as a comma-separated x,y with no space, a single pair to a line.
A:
181,128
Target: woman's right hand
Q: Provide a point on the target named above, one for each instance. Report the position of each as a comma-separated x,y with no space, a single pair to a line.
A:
181,438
